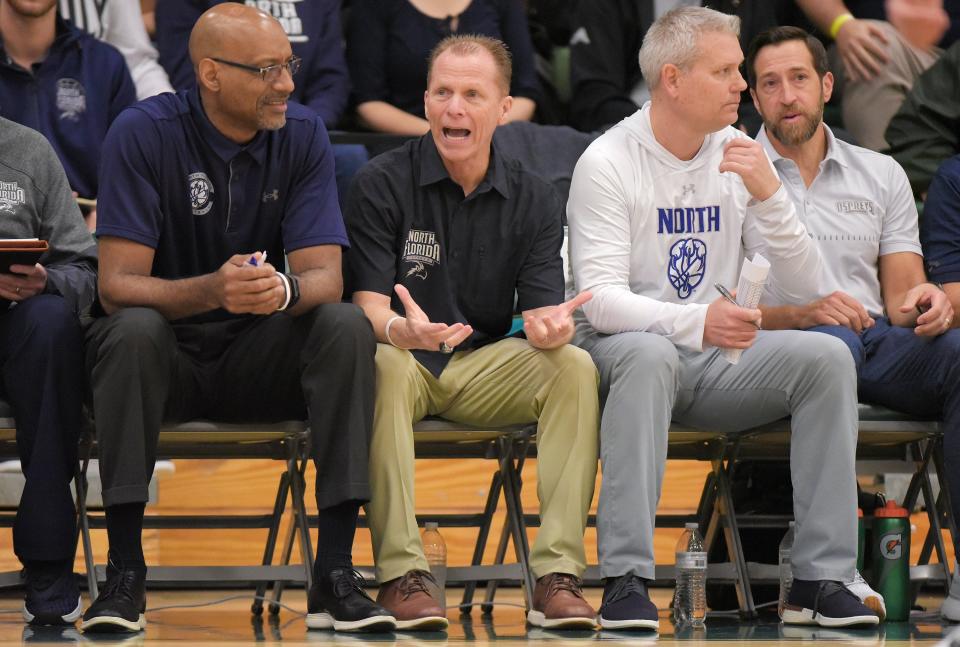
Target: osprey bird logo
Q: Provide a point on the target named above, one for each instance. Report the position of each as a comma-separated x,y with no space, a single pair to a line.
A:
418,270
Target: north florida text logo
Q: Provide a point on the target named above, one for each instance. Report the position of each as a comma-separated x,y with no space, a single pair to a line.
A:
11,196
421,250
687,265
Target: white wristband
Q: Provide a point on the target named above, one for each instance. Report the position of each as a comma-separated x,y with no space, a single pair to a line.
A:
286,290
386,330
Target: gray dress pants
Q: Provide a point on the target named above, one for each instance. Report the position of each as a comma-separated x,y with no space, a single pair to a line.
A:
645,381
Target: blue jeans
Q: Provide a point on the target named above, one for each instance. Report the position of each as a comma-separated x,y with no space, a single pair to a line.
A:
916,375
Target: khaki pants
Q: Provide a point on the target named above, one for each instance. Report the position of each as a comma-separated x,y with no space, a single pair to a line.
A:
508,382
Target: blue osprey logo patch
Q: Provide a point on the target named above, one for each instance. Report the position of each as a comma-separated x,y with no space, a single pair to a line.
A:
687,265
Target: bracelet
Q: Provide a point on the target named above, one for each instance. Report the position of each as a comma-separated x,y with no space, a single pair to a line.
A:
286,291
386,330
839,22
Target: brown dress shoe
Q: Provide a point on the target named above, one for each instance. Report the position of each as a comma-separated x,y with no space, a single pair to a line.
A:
558,604
410,600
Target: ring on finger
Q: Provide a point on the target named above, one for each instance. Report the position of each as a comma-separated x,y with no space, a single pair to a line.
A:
445,348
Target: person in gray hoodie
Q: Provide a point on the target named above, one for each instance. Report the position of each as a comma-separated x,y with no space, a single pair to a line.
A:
41,363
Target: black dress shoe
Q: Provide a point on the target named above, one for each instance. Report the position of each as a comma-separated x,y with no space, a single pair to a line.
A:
337,601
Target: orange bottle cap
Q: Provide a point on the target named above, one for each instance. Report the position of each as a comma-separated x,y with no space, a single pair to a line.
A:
891,510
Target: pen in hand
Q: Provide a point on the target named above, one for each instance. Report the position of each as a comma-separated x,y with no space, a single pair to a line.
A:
725,293
253,259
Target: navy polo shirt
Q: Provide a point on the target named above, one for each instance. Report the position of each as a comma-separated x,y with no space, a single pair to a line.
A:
313,27
463,259
171,181
72,97
940,224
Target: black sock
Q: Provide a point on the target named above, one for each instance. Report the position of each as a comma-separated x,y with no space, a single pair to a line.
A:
337,527
124,527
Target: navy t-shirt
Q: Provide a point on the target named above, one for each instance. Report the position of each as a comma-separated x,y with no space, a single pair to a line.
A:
940,224
171,181
389,41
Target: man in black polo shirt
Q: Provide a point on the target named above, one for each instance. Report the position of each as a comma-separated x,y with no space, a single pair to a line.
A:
199,190
447,231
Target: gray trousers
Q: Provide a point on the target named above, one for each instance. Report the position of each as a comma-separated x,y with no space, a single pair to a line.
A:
645,381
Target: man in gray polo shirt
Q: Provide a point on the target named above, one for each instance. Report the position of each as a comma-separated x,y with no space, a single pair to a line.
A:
857,205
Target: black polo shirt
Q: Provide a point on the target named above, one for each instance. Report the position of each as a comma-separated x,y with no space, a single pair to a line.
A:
461,258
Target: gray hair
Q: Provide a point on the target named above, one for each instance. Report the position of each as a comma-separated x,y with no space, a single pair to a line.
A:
674,38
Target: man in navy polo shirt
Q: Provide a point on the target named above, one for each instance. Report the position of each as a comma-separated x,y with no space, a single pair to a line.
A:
63,82
203,192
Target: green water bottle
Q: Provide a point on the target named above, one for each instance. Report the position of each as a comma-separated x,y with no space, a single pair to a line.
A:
891,559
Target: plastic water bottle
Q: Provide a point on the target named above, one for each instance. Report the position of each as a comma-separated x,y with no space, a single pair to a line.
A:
786,571
690,596
435,550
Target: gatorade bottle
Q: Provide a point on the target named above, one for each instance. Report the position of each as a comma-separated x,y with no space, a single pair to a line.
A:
891,559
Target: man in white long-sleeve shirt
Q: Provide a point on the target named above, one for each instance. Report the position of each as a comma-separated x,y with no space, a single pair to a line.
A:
661,207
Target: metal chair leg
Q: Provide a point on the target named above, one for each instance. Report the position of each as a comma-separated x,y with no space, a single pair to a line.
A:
512,485
731,533
489,509
83,519
280,503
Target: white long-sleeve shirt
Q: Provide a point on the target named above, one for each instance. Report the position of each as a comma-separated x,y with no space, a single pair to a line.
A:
650,234
120,23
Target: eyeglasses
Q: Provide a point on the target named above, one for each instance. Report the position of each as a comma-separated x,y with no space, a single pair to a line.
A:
270,73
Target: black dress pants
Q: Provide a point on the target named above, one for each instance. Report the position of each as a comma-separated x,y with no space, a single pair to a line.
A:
145,370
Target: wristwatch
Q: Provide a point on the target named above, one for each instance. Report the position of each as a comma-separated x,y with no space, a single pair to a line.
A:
294,290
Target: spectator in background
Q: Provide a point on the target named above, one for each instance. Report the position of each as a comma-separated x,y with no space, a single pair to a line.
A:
604,73
80,85
877,64
313,28
41,364
926,129
120,23
388,42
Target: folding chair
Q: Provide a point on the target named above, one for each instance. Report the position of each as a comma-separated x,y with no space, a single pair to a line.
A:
439,438
205,439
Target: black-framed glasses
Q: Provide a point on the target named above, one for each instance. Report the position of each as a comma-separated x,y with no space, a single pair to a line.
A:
270,73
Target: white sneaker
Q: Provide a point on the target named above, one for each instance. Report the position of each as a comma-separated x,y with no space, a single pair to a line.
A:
950,609
869,597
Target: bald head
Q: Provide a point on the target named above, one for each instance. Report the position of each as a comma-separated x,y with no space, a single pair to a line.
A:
230,30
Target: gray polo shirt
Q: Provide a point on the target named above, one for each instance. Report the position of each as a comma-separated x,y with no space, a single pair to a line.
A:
859,208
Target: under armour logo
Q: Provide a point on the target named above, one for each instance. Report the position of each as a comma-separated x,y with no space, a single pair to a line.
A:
688,189
580,36
272,196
